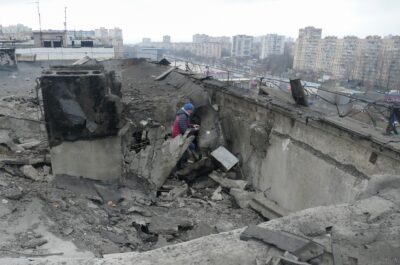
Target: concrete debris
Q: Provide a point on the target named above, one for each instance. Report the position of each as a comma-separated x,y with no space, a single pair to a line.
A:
226,158
13,194
285,261
108,193
281,239
5,139
31,173
156,161
242,197
34,243
164,74
178,192
227,183
266,207
161,242
168,225
192,171
140,210
116,238
82,107
86,60
217,196
67,231
200,230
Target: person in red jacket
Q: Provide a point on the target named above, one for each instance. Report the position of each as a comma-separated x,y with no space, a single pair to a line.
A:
182,124
182,120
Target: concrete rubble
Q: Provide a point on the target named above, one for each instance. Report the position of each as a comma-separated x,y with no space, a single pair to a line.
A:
88,176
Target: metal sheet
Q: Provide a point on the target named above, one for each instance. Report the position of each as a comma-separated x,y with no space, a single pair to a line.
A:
226,158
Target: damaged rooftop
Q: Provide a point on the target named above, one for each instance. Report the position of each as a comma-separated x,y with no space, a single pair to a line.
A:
89,172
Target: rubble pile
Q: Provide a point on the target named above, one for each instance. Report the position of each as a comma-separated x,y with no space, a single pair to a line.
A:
62,202
42,213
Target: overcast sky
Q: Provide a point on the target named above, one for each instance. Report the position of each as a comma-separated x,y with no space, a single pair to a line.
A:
182,18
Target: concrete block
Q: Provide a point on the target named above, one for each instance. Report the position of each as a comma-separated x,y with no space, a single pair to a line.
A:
98,159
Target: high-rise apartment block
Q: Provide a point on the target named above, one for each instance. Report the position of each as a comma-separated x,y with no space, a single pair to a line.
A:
306,48
374,61
272,44
242,46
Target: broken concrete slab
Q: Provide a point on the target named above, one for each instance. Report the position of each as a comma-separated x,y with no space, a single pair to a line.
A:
178,192
281,239
242,197
4,209
156,161
226,158
217,196
227,183
100,159
79,186
309,251
200,230
140,210
168,225
31,173
284,261
6,139
191,171
34,243
164,74
13,193
266,207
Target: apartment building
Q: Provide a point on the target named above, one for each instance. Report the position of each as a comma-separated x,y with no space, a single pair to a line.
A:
306,48
272,44
345,57
326,53
242,46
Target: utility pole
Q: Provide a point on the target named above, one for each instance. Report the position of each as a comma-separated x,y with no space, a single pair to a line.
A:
65,19
40,23
65,27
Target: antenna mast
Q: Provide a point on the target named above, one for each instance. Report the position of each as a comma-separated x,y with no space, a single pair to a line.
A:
65,19
40,23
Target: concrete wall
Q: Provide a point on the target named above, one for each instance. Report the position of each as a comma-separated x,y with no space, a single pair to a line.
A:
99,159
298,162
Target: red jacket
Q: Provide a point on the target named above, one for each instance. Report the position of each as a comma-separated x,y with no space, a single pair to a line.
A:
181,123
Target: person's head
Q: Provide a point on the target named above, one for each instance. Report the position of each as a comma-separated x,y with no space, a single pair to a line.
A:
189,107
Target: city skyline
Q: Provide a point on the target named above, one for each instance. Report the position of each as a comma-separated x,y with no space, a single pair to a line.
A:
216,18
